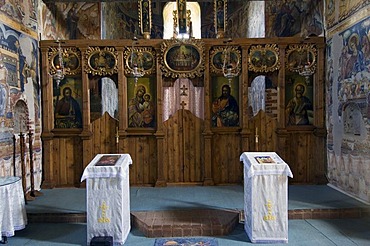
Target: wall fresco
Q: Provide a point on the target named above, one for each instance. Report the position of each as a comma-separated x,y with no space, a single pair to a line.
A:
348,90
24,14
348,8
340,11
19,85
70,21
294,18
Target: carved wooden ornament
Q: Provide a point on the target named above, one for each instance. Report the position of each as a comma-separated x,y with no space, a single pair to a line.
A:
144,56
101,61
263,58
217,56
71,58
301,56
182,58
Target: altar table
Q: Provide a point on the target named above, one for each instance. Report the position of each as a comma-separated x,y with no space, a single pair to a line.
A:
108,203
13,214
265,197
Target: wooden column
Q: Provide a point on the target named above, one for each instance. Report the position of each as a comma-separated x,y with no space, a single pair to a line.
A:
86,134
244,77
47,121
207,134
281,131
319,88
161,182
122,103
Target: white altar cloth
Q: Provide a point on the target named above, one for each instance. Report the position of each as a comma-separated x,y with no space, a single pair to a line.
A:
108,203
265,197
13,214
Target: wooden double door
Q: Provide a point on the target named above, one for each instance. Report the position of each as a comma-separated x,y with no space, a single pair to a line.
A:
183,148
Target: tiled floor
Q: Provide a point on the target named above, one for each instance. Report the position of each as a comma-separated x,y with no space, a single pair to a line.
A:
318,215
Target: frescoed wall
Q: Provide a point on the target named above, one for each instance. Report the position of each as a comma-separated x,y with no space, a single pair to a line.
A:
290,18
348,90
61,20
20,92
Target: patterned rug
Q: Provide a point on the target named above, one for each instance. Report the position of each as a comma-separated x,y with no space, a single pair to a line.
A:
196,241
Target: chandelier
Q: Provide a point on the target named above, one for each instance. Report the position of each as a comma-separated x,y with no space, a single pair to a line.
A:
230,65
58,76
136,61
306,70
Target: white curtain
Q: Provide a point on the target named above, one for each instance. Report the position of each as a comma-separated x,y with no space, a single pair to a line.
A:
174,96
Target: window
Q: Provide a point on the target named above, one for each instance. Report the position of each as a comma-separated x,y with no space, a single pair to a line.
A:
168,19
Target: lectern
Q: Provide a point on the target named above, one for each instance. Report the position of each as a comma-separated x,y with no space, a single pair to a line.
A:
265,197
108,201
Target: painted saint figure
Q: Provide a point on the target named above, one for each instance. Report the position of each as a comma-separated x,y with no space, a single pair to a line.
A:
68,110
298,108
141,109
225,109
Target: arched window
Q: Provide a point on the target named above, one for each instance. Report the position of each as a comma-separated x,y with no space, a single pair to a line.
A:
168,19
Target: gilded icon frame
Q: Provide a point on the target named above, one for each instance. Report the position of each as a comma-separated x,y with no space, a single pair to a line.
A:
301,56
71,58
263,58
216,59
101,61
182,58
148,57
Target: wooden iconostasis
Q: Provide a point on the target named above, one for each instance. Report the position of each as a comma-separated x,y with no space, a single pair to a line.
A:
181,120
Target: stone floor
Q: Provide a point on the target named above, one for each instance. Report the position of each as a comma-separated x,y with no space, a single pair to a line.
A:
317,215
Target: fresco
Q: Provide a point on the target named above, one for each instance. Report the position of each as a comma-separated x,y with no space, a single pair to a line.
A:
120,21
77,21
348,8
294,18
24,14
330,13
19,74
348,103
19,85
345,10
354,62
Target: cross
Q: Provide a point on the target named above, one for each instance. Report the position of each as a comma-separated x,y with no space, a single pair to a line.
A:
184,89
182,104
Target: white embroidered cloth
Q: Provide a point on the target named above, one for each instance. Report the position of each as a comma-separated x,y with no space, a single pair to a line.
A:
107,170
265,197
13,214
108,201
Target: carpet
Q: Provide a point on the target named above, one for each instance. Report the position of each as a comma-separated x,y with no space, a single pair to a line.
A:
194,241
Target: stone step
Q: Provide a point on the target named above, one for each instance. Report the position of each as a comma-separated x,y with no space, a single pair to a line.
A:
185,223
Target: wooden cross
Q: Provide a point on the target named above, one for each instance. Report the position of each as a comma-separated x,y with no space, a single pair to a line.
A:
182,104
184,89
